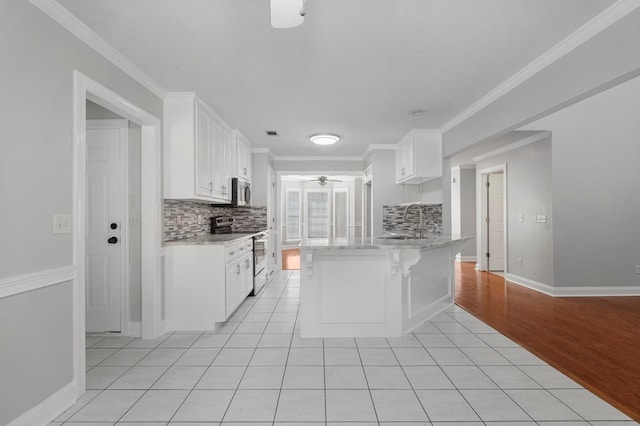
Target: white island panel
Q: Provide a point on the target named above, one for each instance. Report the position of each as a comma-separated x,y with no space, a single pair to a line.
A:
375,288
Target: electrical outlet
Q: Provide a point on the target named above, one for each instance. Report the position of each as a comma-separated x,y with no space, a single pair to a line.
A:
637,269
521,218
61,223
519,261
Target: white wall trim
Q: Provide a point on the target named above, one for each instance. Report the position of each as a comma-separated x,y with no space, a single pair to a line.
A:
599,291
378,146
602,21
34,281
531,284
312,158
261,150
151,210
76,27
50,408
515,145
461,258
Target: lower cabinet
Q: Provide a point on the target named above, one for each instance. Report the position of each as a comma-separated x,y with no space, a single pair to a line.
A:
206,283
239,282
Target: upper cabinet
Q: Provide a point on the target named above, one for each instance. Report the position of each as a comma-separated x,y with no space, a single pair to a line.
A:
243,156
198,151
419,157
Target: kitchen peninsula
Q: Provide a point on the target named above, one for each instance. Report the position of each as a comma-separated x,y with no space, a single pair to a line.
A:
380,287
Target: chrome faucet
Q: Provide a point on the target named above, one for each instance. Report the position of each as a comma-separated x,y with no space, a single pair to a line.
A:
421,223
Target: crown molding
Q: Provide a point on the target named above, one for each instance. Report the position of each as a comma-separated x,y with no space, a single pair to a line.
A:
606,18
312,158
76,27
515,145
379,146
261,151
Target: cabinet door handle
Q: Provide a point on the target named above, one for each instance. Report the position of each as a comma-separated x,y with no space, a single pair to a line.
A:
224,189
238,270
244,170
210,186
231,253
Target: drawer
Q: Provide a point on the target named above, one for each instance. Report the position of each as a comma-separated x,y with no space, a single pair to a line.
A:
234,251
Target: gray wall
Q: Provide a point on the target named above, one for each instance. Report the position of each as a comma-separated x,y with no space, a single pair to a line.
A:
528,193
98,112
318,166
259,179
463,207
36,170
135,219
596,201
606,59
35,359
384,190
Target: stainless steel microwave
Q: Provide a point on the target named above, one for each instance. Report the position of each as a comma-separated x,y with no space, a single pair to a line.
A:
240,193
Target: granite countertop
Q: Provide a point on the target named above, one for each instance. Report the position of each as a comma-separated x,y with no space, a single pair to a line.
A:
208,239
430,241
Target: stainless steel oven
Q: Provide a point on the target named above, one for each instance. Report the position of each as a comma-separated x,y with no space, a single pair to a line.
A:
260,248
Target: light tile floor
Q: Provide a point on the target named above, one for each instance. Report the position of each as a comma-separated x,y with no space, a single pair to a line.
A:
256,370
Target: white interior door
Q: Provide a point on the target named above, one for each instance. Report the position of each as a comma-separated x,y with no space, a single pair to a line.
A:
495,215
106,143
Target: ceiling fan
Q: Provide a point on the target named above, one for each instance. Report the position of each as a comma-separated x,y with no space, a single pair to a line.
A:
287,13
322,180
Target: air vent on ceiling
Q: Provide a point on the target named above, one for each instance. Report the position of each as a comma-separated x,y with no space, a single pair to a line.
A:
271,133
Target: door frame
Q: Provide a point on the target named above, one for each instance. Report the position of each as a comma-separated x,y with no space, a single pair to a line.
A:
278,200
123,126
481,212
151,210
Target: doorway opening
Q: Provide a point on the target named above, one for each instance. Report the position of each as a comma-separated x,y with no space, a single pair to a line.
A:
113,232
151,324
320,208
492,217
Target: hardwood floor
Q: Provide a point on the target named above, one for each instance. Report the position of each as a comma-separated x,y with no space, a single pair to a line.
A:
593,340
291,259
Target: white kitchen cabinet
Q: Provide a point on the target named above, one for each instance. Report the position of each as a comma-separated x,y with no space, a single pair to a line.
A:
206,283
419,157
243,156
198,151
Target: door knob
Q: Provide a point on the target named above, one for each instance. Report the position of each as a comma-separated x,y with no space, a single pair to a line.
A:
112,240
113,226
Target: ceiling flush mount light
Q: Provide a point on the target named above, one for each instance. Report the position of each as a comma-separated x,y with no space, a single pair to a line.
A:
324,139
287,13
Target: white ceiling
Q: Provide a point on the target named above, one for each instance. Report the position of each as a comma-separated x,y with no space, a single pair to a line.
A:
354,67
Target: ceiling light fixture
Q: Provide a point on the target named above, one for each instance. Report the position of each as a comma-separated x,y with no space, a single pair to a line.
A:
287,13
324,139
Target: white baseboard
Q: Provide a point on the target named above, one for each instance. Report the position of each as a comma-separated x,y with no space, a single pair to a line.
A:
50,408
134,329
465,258
597,291
574,291
533,285
34,281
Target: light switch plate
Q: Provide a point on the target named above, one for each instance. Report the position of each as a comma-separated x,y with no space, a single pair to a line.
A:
62,223
541,218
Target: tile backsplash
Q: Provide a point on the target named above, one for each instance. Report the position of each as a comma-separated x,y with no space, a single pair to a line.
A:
185,219
392,219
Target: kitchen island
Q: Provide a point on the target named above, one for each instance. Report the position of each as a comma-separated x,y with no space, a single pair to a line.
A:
380,287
